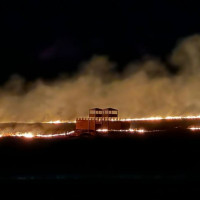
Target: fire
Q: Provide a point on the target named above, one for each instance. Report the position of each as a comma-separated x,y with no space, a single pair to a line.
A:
59,122
140,131
102,130
135,119
56,122
194,128
54,135
122,130
26,135
161,118
33,135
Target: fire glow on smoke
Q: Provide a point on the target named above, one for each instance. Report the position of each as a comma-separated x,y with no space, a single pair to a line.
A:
143,88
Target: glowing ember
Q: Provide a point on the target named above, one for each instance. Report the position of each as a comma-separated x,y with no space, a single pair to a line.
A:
136,130
140,131
195,128
102,130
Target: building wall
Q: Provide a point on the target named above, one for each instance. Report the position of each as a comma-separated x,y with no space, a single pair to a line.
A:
85,124
111,125
94,125
125,125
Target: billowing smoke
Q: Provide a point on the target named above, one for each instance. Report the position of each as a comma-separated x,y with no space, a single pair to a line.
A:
144,88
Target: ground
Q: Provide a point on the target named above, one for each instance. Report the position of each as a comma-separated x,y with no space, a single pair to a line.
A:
149,165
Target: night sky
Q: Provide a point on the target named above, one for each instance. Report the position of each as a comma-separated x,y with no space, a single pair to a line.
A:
47,38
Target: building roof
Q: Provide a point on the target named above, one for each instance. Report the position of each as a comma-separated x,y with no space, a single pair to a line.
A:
110,109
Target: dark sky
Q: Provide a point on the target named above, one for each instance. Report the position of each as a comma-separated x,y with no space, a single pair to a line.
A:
46,38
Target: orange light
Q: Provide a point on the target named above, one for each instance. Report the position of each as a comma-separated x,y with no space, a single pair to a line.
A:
161,118
194,128
33,135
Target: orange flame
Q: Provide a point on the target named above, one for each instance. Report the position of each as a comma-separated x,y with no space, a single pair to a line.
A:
33,135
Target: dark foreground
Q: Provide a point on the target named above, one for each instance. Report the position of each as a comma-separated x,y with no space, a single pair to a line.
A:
145,165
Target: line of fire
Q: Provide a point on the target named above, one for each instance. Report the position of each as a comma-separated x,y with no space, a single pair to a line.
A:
103,122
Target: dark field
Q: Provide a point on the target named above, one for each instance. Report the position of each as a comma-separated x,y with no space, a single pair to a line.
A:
148,164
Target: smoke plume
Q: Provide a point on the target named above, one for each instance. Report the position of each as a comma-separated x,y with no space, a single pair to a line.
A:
145,88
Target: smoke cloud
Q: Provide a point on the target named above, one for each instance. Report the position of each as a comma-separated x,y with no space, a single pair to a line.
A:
145,88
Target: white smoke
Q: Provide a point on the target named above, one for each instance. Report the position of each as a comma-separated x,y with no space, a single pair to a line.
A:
143,89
